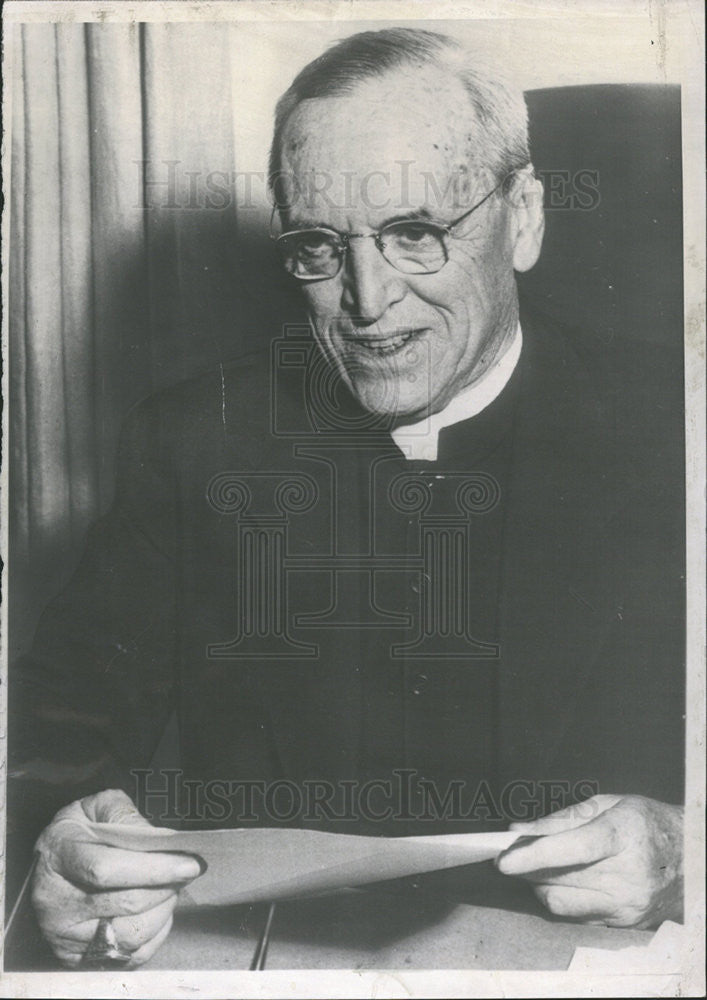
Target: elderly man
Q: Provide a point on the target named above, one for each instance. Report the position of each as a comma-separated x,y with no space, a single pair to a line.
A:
440,540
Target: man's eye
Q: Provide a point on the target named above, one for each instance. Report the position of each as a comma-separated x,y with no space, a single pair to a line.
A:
314,243
412,234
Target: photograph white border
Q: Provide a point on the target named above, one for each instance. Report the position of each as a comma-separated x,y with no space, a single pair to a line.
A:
677,28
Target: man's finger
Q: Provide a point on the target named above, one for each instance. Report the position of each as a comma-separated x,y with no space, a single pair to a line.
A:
111,805
604,876
569,818
133,932
573,877
109,905
582,845
126,902
68,955
575,904
96,866
147,950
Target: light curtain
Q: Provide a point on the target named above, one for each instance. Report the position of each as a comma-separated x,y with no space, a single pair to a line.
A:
124,275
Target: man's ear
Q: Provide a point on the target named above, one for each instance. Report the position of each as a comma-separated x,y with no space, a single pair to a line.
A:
528,219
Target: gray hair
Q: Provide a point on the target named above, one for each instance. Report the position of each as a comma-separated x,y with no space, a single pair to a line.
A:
499,106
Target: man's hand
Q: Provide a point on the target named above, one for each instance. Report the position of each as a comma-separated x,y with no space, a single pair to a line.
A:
614,860
76,882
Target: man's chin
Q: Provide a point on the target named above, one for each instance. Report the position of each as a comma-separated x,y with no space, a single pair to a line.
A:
399,404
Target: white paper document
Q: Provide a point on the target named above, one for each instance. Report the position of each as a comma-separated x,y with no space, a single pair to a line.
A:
663,955
263,864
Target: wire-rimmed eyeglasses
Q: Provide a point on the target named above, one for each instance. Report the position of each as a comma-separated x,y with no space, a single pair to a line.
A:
412,246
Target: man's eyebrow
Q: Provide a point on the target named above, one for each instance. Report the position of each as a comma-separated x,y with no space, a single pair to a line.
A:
412,216
418,214
295,226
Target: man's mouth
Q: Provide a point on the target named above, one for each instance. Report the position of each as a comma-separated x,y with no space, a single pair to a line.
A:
384,344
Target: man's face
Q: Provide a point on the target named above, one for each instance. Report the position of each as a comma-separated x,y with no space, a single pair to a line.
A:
401,146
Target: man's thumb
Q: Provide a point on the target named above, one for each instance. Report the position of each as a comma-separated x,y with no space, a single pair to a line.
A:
112,806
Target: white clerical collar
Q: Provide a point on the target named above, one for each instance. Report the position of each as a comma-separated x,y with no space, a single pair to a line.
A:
420,440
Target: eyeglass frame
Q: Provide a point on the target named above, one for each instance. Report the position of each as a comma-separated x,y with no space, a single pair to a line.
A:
344,238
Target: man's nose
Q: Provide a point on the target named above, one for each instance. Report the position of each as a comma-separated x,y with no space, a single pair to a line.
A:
371,284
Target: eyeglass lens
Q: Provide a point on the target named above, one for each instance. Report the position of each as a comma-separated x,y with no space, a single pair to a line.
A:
411,247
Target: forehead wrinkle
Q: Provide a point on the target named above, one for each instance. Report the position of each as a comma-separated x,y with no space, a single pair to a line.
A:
425,117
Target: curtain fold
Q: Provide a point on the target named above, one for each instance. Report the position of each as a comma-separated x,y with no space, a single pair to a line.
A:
189,193
119,328
122,262
48,493
74,222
